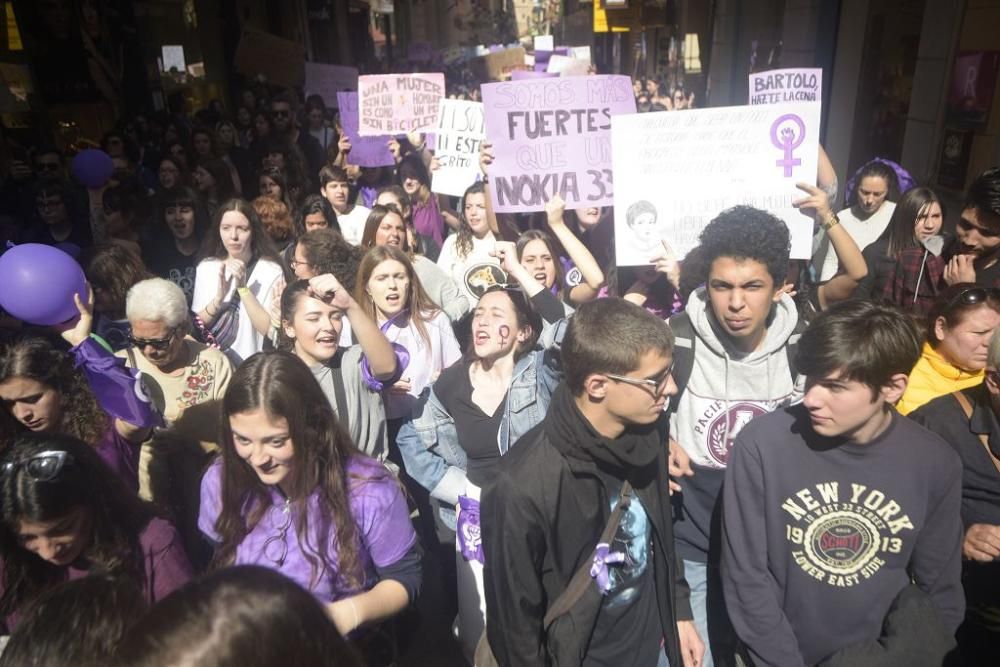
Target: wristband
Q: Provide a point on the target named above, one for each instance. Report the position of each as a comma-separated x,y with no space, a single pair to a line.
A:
242,291
830,222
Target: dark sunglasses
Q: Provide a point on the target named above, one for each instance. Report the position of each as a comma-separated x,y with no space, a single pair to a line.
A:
158,344
973,296
42,467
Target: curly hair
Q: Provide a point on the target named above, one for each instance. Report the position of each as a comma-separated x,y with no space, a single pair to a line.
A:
276,218
84,482
37,359
744,232
281,385
328,252
114,269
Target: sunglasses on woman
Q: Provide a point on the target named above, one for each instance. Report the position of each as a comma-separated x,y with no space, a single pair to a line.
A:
42,467
158,344
973,296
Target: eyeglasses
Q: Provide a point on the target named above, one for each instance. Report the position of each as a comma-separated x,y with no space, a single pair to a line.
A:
292,263
973,296
659,385
158,344
42,467
276,547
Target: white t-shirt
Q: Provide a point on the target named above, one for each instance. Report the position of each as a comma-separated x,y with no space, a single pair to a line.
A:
352,225
425,362
456,266
261,282
864,233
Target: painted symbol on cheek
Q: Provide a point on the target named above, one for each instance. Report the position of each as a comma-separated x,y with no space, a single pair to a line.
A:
504,333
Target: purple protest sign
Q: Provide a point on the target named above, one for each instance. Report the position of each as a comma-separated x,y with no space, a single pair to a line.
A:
365,151
522,74
398,103
328,80
553,136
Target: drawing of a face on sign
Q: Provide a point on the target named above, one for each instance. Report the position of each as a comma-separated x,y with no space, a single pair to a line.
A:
641,218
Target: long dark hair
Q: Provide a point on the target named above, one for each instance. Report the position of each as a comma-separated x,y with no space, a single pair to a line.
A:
224,188
37,359
182,196
900,231
375,218
463,244
877,169
118,517
538,235
114,269
315,204
243,616
261,245
281,385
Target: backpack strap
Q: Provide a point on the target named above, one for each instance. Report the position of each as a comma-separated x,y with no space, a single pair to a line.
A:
684,341
963,401
582,578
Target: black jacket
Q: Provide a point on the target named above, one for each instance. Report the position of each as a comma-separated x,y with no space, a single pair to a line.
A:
541,519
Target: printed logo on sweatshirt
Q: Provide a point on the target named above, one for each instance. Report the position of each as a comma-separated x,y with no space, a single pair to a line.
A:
840,533
721,427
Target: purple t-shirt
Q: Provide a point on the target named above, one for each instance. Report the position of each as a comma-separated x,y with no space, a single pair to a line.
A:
121,456
380,513
427,220
166,564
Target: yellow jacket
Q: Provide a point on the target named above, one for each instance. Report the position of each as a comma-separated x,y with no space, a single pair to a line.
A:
934,376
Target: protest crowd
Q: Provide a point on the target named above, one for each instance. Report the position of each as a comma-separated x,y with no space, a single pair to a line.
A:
338,380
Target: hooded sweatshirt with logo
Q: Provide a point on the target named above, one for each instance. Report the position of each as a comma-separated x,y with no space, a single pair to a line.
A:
727,389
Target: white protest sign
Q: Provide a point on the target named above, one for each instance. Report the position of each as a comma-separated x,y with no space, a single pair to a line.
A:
566,66
460,130
800,84
398,103
676,170
581,53
545,43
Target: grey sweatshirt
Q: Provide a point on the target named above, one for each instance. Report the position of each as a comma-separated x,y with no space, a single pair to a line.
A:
725,391
441,288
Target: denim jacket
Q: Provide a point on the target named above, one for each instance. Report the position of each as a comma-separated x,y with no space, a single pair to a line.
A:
429,443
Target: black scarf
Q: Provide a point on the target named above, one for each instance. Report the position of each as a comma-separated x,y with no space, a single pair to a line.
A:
571,433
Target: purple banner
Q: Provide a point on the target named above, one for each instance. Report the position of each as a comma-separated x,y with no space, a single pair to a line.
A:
553,136
523,74
365,151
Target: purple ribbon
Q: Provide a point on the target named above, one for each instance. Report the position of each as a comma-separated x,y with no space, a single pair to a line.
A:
402,360
467,530
603,556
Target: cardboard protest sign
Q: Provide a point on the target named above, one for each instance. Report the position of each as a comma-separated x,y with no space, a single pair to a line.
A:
281,61
328,80
399,103
365,151
552,136
676,170
799,84
580,53
460,130
498,65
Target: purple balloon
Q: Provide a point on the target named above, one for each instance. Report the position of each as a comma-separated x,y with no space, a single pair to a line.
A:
93,167
37,284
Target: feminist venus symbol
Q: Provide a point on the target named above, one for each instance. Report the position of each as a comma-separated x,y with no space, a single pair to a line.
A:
788,141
